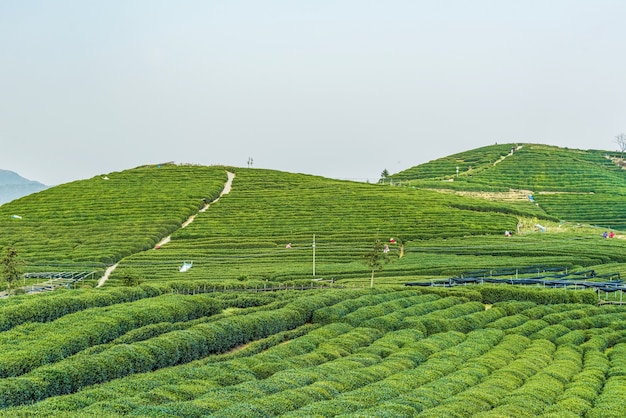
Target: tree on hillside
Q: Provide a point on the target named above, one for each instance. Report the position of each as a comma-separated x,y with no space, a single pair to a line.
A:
11,267
131,278
621,142
376,258
384,175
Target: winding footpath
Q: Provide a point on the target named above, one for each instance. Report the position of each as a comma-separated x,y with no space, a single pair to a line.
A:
508,155
167,239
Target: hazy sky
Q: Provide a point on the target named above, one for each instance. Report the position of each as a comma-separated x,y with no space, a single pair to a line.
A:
342,89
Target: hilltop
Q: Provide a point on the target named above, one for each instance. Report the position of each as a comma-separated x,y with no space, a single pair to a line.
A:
14,186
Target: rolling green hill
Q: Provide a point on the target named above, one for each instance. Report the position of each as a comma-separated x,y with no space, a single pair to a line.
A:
120,217
574,185
245,234
98,221
155,341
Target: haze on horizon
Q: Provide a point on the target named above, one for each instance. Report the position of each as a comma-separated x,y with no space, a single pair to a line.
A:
342,89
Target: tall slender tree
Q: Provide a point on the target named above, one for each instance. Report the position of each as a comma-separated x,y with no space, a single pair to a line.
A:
621,142
375,259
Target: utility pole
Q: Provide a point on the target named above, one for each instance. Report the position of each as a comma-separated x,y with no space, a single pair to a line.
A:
313,255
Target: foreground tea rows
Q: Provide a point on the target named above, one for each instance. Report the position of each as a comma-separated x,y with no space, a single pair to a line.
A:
330,352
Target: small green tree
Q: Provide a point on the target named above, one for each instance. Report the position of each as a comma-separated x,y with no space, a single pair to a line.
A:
131,278
376,258
11,267
383,176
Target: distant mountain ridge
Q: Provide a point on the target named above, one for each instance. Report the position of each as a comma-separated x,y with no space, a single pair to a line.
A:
13,186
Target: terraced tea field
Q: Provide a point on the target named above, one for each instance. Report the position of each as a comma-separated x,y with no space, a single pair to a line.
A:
586,187
264,230
103,219
317,353
275,316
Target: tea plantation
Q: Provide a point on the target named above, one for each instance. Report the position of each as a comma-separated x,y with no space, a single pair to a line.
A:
578,186
335,352
274,315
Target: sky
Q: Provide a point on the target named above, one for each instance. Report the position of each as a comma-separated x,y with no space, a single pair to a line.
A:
338,88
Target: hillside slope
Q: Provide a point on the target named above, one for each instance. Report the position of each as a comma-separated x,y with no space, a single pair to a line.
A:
246,233
98,221
573,185
282,227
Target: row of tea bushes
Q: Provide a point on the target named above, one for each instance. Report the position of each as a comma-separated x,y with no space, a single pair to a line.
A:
579,395
28,346
48,307
569,251
334,352
395,320
181,346
603,209
611,402
377,297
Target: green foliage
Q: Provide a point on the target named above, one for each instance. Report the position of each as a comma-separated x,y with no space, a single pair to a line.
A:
11,267
375,259
498,293
369,351
48,307
579,186
131,278
275,209
199,344
438,234
100,220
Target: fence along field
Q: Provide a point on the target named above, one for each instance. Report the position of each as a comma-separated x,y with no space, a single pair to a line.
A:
322,353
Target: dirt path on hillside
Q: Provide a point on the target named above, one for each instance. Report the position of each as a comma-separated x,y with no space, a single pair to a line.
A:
508,155
107,273
225,190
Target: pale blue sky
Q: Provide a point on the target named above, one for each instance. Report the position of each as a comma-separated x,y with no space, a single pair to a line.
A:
341,89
